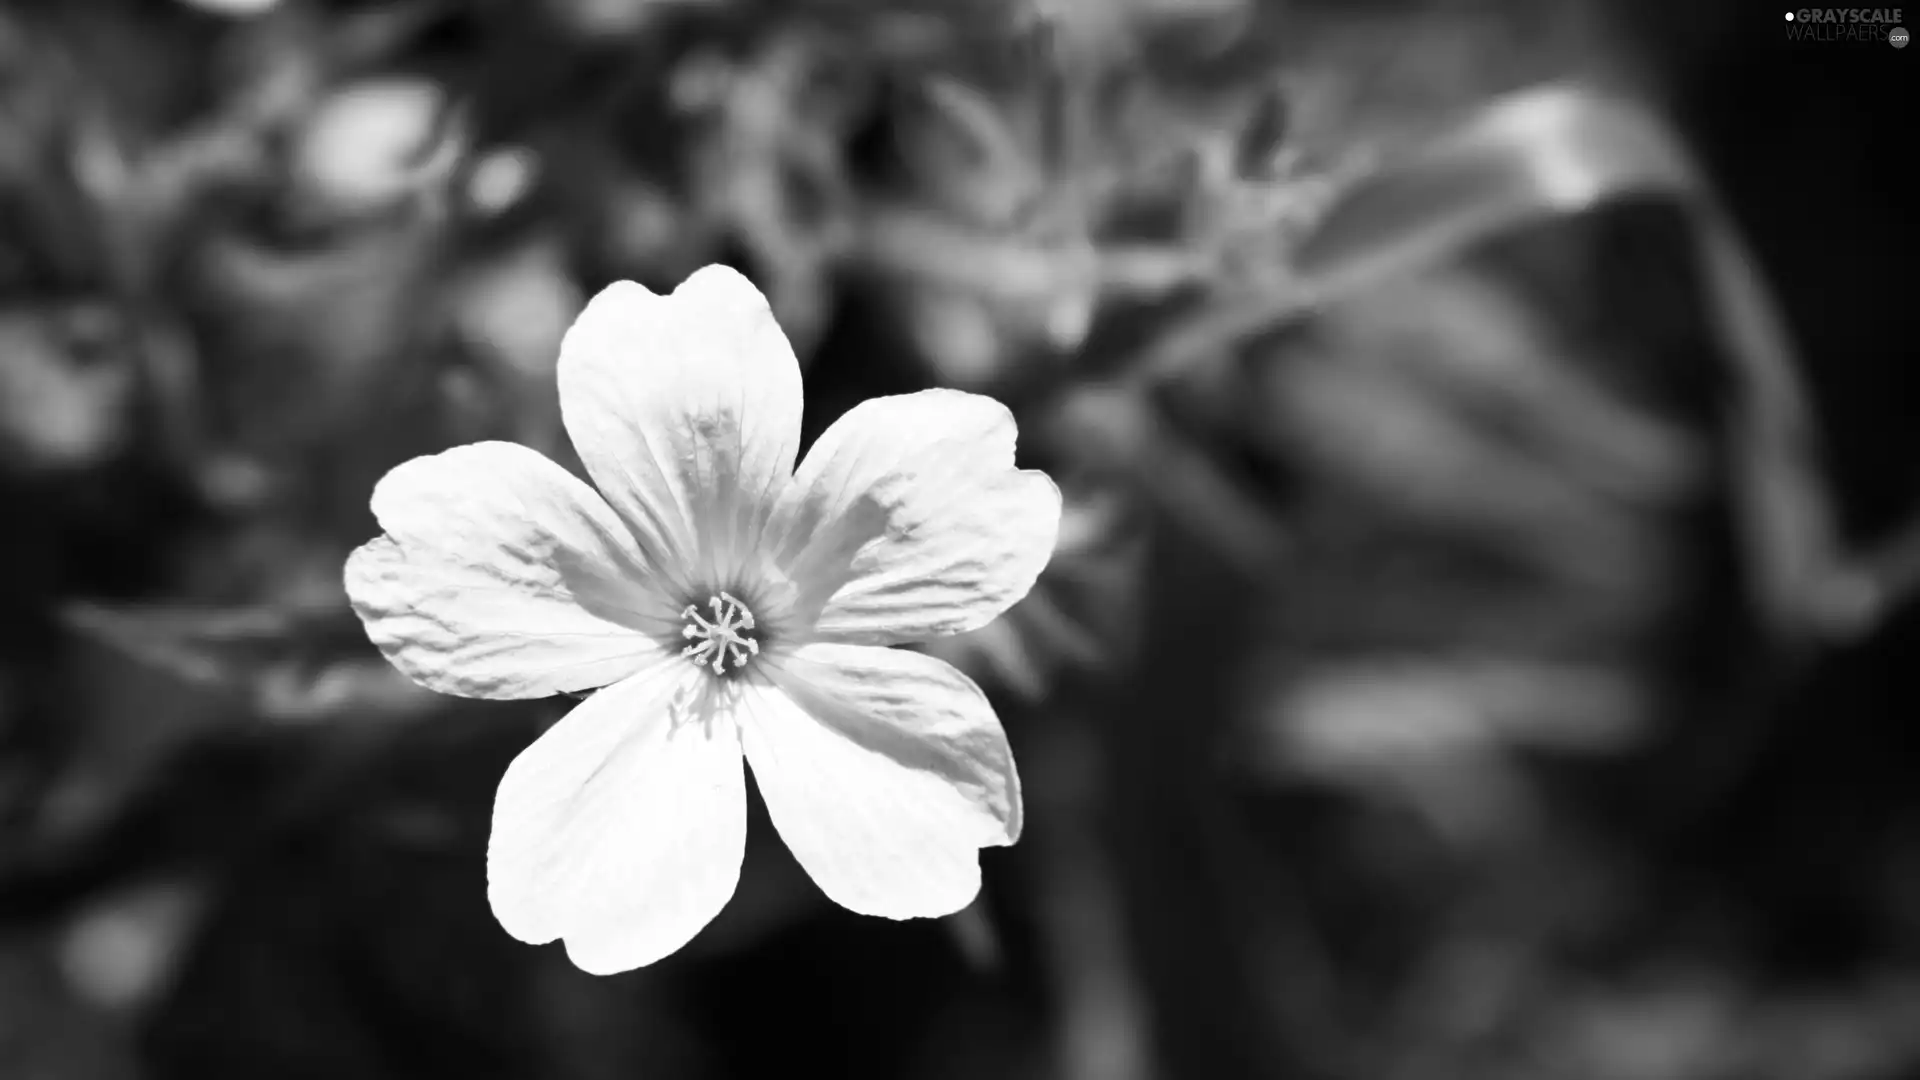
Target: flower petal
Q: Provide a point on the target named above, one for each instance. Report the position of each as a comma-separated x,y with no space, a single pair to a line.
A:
885,771
501,575
685,410
622,828
920,492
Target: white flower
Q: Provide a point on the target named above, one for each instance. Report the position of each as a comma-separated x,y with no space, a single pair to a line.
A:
724,603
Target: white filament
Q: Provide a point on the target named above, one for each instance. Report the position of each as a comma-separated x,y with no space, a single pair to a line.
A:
724,638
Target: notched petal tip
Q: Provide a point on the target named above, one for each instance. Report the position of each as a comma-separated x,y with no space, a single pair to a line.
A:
361,572
615,294
721,284
966,535
520,924
1051,504
500,575
685,410
1033,527
962,890
595,959
621,829
886,772
380,593
717,287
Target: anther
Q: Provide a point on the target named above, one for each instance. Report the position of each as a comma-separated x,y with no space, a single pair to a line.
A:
728,637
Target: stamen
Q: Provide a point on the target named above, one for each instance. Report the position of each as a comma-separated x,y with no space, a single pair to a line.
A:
727,637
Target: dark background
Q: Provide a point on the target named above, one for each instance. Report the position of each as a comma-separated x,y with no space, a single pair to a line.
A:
1398,708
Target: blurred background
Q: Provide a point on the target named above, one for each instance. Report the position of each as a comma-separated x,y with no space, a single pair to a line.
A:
1478,644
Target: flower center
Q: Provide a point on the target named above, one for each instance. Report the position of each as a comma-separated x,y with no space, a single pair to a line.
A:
728,638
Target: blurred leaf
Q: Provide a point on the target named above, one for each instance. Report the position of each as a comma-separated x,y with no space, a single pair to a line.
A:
66,388
121,953
295,665
369,144
1562,150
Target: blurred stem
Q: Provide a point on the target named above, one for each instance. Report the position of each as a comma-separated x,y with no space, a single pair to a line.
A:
1237,989
1104,1026
1561,150
1532,156
1118,426
1856,599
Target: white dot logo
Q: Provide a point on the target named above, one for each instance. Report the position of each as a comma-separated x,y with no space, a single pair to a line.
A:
1789,16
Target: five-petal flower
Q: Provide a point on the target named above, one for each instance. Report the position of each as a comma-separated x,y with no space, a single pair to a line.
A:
722,604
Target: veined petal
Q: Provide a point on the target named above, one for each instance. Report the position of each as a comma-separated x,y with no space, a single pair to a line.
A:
622,828
907,520
501,575
685,410
885,771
